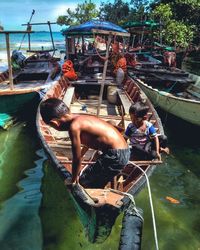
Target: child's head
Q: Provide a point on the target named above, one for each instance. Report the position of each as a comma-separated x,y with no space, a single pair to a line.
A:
138,111
54,112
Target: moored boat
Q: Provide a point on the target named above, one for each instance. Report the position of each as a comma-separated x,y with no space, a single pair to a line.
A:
21,87
179,96
97,208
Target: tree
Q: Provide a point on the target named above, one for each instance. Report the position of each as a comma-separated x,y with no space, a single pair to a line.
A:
117,12
184,11
120,11
174,32
82,13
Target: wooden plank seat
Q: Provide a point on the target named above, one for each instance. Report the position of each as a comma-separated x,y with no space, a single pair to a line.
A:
41,51
126,102
93,82
68,97
42,60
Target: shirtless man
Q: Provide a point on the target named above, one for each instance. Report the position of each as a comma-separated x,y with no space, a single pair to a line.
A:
90,132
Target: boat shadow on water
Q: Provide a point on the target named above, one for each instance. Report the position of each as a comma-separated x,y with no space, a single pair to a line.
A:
184,140
60,224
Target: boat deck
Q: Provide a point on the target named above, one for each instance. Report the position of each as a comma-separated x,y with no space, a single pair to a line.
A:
27,86
31,78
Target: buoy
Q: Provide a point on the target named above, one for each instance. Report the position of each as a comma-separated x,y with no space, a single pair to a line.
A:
131,233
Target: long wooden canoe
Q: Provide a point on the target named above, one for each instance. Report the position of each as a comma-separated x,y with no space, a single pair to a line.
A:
97,208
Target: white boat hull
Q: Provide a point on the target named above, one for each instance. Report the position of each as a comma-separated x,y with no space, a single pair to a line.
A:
186,109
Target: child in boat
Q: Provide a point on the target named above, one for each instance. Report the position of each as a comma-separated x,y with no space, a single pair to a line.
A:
145,141
91,132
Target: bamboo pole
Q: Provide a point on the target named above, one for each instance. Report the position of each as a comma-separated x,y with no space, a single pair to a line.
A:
67,47
49,24
29,41
9,61
104,75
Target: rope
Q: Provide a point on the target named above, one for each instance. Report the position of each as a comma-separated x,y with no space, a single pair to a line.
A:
151,205
169,89
28,27
132,201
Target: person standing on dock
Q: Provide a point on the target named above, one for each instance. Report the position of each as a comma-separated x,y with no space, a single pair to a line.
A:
90,132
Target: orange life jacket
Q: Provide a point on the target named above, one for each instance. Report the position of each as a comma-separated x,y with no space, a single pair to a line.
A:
121,63
68,70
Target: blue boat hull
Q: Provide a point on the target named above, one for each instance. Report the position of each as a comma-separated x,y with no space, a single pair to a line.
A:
12,105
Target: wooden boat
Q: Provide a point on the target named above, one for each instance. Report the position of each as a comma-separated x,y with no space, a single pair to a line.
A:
23,87
97,208
158,70
178,97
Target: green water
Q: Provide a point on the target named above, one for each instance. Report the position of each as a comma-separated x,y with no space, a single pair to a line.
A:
37,213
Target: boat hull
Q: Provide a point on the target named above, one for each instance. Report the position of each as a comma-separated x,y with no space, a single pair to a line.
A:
97,216
188,110
11,105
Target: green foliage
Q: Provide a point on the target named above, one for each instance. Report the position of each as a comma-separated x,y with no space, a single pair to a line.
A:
176,30
180,17
178,33
163,12
82,13
139,5
116,12
121,11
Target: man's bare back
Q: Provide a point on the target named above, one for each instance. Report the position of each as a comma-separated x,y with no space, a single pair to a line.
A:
91,132
96,133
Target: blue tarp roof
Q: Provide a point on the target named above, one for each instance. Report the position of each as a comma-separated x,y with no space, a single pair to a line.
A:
86,28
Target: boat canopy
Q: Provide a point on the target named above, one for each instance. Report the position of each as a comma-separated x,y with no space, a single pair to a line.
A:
88,27
147,24
165,47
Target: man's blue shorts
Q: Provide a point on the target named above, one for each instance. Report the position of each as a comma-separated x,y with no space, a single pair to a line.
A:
107,165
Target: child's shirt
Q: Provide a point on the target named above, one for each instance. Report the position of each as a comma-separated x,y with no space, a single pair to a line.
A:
140,137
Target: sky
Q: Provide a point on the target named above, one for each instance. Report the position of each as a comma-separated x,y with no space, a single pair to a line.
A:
15,12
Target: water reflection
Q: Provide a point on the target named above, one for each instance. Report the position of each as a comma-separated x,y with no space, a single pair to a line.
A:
21,173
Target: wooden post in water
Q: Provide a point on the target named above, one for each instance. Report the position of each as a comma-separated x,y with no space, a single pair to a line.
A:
9,61
104,75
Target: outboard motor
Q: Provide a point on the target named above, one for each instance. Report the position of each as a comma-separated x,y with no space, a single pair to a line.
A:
18,57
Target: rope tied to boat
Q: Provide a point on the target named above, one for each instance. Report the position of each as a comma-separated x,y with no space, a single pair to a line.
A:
170,89
151,204
132,209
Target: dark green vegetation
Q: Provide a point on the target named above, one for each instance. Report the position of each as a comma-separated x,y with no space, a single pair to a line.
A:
180,19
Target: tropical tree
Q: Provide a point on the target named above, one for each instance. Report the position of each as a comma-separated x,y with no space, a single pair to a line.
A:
174,32
183,11
82,13
117,12
120,11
